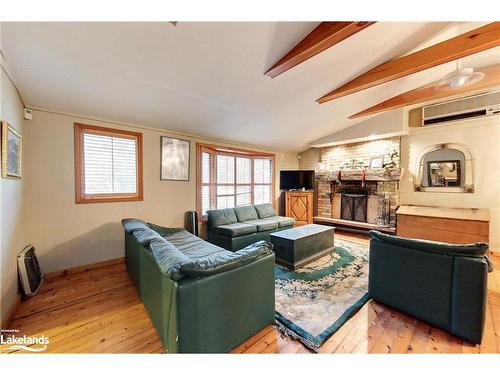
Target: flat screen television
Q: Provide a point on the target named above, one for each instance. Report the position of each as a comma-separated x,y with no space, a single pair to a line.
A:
296,180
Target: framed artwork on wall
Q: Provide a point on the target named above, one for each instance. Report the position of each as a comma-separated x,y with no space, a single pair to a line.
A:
175,154
11,152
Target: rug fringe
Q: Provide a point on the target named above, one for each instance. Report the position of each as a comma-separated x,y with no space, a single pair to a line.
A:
287,331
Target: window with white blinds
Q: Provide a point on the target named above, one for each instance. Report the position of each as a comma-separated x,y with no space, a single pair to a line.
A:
229,179
108,164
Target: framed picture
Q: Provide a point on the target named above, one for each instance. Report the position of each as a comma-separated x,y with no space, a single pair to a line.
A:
377,162
11,152
174,159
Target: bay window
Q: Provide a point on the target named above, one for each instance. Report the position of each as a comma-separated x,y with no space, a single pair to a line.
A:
230,177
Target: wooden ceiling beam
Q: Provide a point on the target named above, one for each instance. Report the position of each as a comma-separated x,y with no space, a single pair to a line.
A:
474,41
437,90
325,35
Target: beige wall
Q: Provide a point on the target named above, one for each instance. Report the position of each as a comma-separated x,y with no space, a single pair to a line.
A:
68,234
309,159
12,226
482,136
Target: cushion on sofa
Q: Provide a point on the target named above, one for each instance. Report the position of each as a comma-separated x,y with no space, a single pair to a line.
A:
478,248
265,210
191,246
221,217
244,213
263,224
164,231
222,262
145,236
132,225
236,229
284,221
168,257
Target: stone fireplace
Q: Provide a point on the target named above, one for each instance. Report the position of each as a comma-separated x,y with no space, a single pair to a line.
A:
366,191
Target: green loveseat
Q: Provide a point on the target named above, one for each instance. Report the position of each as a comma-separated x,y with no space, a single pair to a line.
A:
442,284
200,297
235,228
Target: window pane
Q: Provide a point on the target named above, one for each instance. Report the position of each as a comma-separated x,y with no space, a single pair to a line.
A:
262,171
262,194
243,173
205,168
225,201
98,164
124,165
225,169
243,195
109,164
225,190
205,199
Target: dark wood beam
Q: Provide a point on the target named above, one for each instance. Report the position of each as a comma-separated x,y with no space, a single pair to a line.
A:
437,90
324,36
474,41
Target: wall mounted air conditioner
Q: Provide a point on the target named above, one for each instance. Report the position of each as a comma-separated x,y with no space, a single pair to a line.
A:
471,107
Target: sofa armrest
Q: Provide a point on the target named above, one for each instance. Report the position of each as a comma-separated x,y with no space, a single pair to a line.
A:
222,310
468,298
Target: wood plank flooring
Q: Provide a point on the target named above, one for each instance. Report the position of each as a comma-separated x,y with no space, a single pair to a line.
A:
98,311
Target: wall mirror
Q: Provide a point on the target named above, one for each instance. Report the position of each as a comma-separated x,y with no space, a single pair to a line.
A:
446,168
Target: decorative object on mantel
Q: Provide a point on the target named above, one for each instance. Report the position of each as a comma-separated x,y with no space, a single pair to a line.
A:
175,155
443,179
11,152
377,162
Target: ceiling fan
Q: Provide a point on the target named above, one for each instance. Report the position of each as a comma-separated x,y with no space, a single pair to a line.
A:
462,77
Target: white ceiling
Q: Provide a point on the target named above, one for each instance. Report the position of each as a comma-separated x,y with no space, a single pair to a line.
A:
208,79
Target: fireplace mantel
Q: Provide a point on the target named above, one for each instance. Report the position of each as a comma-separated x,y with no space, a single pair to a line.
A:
350,175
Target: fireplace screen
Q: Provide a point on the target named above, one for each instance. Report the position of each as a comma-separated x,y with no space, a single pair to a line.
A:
353,207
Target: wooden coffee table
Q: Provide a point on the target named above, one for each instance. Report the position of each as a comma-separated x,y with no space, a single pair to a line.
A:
299,246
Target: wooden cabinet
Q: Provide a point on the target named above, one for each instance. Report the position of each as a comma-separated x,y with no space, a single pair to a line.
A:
300,206
452,225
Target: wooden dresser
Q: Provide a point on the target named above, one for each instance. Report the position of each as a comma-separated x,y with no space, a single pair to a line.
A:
300,206
453,225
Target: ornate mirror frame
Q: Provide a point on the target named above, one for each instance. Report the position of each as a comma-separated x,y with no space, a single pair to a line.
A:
468,186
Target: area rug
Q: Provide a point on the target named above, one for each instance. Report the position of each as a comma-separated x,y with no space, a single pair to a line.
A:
313,302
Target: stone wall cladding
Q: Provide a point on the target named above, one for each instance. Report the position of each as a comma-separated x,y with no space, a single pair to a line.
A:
351,159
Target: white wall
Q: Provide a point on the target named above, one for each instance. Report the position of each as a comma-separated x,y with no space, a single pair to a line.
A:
482,136
12,225
388,124
68,234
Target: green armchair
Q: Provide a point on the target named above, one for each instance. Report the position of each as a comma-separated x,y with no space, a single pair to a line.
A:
442,284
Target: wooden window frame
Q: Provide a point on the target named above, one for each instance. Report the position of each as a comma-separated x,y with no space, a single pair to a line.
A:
80,196
235,152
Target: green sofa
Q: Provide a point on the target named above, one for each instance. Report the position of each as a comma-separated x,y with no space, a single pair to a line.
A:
235,228
442,284
200,297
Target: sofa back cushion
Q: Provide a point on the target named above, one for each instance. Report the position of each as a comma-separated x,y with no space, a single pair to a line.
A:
473,249
145,236
224,261
133,225
244,213
221,217
168,257
265,210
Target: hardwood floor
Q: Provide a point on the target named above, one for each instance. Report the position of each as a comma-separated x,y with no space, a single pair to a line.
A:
99,311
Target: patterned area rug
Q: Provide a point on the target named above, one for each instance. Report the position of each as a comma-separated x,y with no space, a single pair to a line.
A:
313,302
